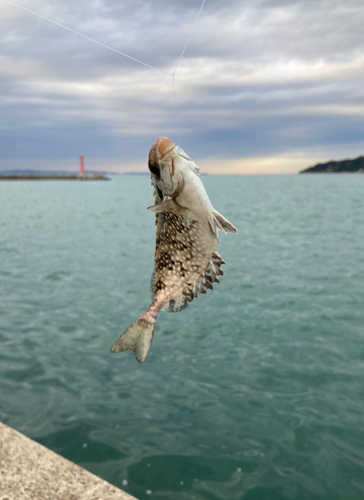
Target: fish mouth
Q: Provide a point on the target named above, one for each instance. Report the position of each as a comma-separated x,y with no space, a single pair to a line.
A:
161,156
154,169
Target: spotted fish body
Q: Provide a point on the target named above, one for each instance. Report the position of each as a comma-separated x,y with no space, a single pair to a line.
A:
186,260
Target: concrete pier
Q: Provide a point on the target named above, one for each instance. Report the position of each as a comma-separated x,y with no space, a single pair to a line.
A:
29,471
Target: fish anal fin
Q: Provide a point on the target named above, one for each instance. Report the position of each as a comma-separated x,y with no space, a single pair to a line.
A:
178,304
223,224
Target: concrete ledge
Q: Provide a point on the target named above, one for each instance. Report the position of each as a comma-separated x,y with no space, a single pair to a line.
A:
29,471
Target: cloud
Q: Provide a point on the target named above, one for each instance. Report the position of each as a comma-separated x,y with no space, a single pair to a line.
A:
259,79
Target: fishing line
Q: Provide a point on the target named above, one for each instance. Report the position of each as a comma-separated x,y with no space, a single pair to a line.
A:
175,105
172,75
189,37
87,37
179,62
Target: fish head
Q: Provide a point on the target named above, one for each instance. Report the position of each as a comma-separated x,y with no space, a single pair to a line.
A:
168,164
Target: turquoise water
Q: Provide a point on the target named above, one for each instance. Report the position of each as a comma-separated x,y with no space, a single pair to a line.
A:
254,392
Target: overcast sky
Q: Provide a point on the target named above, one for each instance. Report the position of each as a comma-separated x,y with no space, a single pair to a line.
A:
269,86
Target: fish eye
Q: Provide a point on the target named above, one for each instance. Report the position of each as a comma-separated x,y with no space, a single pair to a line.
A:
154,169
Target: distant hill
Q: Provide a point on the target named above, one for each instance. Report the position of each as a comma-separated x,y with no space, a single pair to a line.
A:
337,167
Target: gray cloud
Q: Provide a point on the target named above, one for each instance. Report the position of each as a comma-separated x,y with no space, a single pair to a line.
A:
259,78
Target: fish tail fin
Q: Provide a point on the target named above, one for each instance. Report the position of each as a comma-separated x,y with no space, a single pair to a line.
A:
138,338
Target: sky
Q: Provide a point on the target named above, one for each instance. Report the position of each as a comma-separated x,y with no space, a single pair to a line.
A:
263,87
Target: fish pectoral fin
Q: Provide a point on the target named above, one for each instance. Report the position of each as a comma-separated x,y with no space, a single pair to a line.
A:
156,208
223,224
164,206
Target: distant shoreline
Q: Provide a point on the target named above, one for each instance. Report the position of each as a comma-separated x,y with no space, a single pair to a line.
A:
355,166
32,177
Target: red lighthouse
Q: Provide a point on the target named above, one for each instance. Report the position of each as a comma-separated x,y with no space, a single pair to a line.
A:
82,165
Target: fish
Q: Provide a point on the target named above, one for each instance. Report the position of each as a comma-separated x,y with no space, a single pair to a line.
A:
186,259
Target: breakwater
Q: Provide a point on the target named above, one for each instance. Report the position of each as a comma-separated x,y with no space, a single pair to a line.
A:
31,177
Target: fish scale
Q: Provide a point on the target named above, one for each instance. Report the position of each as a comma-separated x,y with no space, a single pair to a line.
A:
178,261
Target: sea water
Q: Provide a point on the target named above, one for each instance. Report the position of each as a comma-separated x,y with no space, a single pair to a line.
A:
254,392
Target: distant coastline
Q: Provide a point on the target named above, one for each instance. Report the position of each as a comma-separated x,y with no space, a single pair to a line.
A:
355,166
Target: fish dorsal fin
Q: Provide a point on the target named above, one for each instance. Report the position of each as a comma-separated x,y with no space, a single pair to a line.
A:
204,283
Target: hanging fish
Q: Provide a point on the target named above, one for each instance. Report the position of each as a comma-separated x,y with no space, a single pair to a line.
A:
186,260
